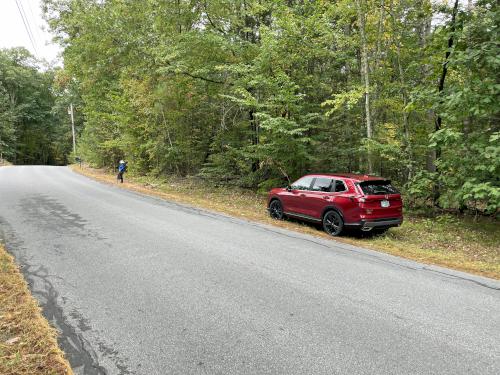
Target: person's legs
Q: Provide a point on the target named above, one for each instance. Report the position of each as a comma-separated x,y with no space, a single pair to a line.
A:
120,177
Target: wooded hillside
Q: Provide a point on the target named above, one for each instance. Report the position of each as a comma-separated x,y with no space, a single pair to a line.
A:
244,91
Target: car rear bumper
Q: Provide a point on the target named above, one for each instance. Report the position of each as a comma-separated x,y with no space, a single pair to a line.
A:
378,223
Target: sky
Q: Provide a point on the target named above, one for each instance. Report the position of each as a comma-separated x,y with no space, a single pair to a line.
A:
13,32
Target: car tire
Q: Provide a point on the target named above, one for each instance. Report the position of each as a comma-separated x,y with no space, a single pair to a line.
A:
276,210
333,224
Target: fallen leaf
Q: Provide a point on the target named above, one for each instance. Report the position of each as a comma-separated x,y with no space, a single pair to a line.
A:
13,340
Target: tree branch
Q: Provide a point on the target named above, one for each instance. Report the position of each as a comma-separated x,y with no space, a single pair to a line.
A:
202,78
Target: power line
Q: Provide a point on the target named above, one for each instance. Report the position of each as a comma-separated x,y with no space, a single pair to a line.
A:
26,27
37,28
27,21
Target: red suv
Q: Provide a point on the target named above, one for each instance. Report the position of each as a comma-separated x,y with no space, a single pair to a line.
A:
338,201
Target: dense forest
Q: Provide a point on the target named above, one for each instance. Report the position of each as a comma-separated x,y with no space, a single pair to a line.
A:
34,125
244,92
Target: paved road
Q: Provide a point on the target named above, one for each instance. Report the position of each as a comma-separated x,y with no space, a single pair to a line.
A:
142,286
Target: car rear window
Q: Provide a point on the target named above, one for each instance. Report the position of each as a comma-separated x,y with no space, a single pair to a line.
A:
340,186
381,187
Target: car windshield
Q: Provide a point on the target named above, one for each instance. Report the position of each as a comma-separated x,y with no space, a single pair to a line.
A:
381,187
303,183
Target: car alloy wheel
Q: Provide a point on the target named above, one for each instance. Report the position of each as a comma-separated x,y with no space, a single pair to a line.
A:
276,210
333,223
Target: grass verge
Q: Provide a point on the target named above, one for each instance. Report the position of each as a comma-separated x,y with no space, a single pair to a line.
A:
28,343
454,242
4,163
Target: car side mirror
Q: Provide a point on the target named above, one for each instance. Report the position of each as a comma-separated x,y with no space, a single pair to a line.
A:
288,188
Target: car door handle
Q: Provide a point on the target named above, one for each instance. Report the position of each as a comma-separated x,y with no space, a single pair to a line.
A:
302,195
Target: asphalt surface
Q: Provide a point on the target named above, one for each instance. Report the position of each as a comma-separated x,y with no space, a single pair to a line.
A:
138,285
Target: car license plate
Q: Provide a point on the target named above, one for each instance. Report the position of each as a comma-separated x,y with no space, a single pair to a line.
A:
385,203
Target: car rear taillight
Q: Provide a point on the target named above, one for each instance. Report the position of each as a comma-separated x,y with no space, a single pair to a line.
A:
358,199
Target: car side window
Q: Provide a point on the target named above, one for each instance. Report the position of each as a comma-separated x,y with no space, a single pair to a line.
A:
322,184
303,183
340,186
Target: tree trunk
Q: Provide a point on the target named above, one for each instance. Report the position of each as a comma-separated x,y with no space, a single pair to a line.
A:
365,74
250,36
424,30
255,137
380,33
404,94
468,119
378,52
438,122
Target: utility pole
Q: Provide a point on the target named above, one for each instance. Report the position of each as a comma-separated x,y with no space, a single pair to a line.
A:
70,112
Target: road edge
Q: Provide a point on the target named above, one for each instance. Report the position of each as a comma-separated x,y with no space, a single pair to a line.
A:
31,345
330,243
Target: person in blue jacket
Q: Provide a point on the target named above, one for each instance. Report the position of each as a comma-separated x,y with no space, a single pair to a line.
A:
122,168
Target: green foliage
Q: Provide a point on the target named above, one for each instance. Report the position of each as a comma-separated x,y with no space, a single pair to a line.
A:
244,92
470,170
420,188
32,127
